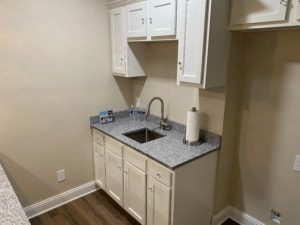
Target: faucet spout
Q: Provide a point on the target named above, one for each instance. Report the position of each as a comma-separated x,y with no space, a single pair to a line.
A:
163,120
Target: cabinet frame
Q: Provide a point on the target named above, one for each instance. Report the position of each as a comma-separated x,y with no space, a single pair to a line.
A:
118,170
121,57
131,170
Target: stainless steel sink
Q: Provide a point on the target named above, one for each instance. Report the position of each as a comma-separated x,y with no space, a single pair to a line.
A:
143,135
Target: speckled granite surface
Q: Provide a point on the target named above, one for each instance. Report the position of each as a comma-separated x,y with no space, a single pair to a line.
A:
169,150
11,211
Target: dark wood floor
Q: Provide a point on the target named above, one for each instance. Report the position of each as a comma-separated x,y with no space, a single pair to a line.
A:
230,222
94,209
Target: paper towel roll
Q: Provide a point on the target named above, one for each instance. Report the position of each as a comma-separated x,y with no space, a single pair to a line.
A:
193,125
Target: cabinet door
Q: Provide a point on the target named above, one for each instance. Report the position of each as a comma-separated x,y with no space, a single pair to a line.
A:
136,20
158,203
191,35
262,11
99,165
135,192
162,18
114,176
118,40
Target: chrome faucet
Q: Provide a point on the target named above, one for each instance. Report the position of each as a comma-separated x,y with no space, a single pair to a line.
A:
163,121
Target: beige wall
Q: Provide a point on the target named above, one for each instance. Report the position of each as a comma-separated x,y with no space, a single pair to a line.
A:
269,128
54,73
161,81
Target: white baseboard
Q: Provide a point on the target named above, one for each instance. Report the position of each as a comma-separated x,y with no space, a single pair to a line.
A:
238,216
60,199
222,216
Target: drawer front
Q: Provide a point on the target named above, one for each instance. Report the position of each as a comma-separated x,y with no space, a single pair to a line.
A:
160,173
98,137
135,158
99,149
114,146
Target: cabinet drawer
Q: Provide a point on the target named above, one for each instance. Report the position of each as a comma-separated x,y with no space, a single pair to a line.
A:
98,137
98,149
113,146
135,158
160,173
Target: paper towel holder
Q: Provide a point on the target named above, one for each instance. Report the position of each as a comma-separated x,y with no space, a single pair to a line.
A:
192,143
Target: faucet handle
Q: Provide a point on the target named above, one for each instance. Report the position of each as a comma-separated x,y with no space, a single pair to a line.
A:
164,125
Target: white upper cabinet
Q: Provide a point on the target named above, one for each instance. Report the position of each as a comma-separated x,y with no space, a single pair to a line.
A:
118,40
137,20
127,60
162,18
192,41
249,11
203,42
151,20
263,14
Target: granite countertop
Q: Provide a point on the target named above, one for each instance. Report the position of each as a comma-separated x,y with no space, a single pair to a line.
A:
169,150
11,211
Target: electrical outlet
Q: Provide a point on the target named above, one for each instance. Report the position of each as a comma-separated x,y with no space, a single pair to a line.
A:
275,216
61,175
297,163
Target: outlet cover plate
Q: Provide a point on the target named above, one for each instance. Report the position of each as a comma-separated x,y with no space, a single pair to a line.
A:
297,163
61,175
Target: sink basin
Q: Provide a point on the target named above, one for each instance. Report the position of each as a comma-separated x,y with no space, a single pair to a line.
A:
143,135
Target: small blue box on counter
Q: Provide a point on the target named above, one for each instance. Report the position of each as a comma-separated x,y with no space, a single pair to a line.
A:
106,116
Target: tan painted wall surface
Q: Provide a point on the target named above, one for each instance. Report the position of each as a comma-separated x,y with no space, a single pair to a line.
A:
54,73
161,81
269,128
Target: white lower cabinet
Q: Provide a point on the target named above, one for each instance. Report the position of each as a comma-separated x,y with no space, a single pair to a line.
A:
99,165
114,176
135,192
152,193
158,203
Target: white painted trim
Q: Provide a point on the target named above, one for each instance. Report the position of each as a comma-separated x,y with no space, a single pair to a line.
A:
60,199
222,216
236,215
243,218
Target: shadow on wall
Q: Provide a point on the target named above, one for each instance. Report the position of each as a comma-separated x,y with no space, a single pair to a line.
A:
125,87
254,115
25,178
268,137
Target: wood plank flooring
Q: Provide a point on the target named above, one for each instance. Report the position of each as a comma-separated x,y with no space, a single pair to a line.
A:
94,209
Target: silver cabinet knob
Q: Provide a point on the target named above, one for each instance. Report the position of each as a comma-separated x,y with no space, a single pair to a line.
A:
143,21
158,175
150,19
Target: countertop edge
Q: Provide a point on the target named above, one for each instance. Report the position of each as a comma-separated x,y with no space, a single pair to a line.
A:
169,167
